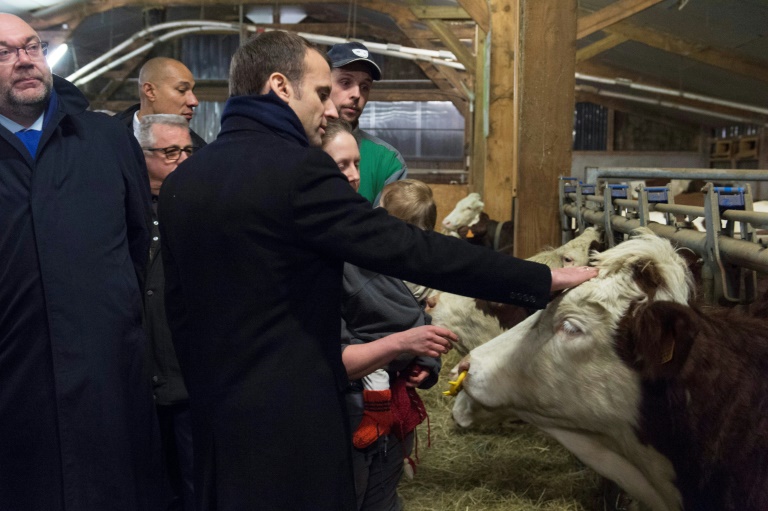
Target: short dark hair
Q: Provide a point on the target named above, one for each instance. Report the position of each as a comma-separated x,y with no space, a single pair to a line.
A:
333,128
269,52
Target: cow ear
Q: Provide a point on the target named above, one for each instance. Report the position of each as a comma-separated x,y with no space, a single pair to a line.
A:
647,276
596,246
655,339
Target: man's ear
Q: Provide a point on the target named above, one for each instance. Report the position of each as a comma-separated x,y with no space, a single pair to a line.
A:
149,91
280,85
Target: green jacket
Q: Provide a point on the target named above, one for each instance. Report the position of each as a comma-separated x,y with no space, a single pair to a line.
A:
380,164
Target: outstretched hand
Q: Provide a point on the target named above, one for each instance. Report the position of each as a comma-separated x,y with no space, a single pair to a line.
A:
427,340
563,278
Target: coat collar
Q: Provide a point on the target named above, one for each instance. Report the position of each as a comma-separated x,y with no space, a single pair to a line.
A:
268,110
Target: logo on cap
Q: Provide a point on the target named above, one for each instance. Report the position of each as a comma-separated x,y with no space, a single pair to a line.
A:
360,53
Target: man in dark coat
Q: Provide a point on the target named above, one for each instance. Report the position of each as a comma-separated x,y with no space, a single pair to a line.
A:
77,426
166,86
253,252
166,142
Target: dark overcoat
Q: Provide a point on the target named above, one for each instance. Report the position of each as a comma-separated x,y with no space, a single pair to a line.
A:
77,430
255,229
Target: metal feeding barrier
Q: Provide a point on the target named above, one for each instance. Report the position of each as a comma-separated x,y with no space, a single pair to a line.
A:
730,248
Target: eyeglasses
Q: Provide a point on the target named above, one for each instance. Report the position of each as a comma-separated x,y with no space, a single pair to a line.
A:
173,153
35,51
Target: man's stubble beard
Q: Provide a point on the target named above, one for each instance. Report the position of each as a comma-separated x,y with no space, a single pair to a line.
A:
23,105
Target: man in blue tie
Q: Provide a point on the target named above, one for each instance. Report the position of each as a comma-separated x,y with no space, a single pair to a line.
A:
77,430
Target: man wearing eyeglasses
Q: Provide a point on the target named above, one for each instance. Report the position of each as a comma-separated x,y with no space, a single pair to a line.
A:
166,142
166,86
77,424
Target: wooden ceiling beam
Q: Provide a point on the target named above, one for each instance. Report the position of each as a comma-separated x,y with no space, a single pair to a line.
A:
449,39
444,77
604,44
698,52
428,12
609,15
479,11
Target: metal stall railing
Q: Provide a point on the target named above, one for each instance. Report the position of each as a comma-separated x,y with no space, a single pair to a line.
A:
732,254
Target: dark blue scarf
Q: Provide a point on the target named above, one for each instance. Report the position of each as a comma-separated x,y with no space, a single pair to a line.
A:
31,138
269,110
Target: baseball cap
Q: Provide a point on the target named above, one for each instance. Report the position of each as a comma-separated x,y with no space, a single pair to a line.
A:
345,53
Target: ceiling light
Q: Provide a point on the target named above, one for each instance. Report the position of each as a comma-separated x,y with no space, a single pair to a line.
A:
56,54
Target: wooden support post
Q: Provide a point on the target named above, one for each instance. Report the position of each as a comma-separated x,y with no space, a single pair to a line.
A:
501,146
545,50
530,115
479,115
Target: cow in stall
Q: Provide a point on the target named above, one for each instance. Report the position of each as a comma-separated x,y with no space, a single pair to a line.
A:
468,221
476,321
466,212
668,400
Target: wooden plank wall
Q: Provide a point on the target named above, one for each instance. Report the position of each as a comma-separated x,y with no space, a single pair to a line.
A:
446,197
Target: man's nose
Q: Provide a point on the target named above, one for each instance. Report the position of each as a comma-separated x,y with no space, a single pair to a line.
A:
330,110
22,54
192,99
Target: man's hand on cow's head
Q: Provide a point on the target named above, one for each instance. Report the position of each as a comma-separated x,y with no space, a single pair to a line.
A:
564,278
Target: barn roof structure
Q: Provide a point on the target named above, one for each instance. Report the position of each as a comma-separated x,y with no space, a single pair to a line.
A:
700,63
708,49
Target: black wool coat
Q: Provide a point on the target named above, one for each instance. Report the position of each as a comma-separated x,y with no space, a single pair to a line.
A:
77,424
255,229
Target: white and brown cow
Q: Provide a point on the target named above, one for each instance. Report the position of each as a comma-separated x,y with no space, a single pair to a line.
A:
668,400
465,213
476,321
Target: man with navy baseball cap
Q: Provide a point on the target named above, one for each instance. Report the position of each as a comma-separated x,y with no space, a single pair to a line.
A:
353,73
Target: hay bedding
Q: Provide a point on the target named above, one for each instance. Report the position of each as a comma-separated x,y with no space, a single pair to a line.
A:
511,468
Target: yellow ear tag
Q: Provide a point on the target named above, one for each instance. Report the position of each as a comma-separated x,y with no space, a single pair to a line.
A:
455,385
470,234
667,356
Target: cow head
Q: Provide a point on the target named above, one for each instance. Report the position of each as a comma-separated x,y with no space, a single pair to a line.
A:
575,369
574,253
465,213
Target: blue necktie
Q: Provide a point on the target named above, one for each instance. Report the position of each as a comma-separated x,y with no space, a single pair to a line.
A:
30,139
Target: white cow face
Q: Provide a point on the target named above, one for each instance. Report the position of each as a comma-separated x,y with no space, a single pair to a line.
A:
559,367
465,213
560,370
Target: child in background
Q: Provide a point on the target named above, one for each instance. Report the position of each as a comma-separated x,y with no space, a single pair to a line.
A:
411,201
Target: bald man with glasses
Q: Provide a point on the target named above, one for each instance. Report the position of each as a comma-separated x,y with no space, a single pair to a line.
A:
77,422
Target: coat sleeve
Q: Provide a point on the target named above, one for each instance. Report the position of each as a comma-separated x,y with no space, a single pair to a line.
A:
341,224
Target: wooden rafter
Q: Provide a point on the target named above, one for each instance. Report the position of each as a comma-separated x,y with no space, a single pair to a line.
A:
430,12
609,15
453,43
479,11
604,44
698,52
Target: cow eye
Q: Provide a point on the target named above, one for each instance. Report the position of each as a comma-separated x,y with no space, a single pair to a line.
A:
569,328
